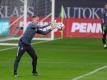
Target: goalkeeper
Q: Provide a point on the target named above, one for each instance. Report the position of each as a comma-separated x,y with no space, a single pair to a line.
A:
25,44
104,26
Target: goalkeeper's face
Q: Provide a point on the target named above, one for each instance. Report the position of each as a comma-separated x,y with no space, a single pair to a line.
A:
35,19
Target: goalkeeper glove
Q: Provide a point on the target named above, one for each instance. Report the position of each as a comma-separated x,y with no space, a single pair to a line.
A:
53,25
60,26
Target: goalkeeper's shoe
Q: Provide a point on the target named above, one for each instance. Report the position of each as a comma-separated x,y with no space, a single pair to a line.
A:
15,75
36,74
105,46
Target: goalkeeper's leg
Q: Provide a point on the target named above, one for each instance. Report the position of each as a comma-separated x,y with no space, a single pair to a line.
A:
104,32
33,55
20,52
104,39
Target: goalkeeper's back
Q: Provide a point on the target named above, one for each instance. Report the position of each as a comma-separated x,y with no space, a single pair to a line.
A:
29,33
31,30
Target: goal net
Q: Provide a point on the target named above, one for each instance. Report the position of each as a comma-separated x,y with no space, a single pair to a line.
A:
15,14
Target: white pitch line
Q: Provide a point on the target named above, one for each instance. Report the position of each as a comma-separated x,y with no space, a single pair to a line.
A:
16,47
32,43
90,73
7,49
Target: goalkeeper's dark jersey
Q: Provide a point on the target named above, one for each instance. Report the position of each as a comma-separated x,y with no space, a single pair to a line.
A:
104,17
31,30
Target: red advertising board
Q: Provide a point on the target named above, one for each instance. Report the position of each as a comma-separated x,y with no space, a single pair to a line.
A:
73,27
82,28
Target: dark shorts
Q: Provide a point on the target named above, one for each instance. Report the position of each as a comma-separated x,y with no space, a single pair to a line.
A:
21,43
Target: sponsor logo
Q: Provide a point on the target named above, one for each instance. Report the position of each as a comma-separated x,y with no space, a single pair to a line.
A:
86,27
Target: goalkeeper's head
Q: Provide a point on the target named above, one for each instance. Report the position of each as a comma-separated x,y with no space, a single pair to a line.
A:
35,19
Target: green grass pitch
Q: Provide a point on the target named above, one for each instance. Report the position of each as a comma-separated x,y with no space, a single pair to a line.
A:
62,59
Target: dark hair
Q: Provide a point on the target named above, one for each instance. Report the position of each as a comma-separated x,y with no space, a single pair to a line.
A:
105,4
34,16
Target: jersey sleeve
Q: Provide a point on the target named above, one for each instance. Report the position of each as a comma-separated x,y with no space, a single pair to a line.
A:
43,32
42,27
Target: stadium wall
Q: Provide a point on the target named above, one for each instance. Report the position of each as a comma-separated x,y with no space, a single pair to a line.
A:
82,17
80,8
77,27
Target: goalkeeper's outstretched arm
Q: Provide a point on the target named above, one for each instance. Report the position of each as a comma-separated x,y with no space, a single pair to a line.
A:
42,27
43,32
40,31
52,24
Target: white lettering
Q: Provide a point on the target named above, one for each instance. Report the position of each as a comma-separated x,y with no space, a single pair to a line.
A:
86,27
98,28
83,12
68,12
1,14
88,12
75,27
91,27
15,12
83,27
95,12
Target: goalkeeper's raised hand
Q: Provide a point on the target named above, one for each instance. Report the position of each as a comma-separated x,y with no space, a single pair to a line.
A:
53,25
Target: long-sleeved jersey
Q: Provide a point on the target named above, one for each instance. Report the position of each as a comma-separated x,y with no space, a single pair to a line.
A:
31,30
104,17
